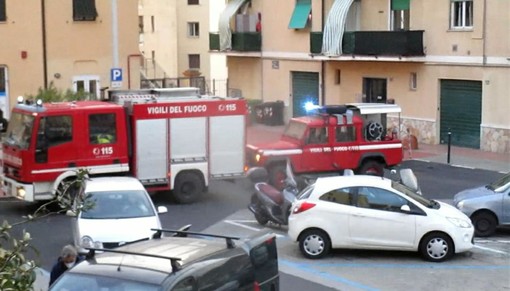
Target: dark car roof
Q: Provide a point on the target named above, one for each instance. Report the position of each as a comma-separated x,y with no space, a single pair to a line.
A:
184,248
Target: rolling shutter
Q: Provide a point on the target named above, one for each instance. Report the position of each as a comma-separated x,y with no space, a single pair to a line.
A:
305,88
461,112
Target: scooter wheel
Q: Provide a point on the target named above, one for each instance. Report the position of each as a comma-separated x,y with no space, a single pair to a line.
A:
262,220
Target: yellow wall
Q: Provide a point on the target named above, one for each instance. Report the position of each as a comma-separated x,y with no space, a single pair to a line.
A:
245,74
74,48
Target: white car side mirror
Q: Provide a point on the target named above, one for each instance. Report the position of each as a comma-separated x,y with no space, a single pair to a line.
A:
405,208
162,209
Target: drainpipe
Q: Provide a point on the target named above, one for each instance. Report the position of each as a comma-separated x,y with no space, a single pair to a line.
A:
323,65
129,67
484,31
45,61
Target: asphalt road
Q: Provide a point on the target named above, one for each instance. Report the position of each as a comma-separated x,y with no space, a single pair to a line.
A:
225,199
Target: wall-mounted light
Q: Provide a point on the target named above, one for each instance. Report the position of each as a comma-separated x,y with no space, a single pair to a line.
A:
24,54
57,75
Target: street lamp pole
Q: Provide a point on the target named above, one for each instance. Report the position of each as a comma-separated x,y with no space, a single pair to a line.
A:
115,35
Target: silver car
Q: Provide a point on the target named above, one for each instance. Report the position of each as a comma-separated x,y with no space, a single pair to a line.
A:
488,206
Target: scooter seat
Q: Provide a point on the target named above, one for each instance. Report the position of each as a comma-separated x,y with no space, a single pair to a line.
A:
271,192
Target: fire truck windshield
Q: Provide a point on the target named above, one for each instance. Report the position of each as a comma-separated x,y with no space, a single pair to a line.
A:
19,131
295,130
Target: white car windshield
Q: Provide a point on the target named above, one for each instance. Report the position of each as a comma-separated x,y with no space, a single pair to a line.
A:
295,130
71,282
119,204
19,132
415,196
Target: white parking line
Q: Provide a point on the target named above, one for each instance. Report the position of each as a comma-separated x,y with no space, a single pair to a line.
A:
242,225
492,250
484,241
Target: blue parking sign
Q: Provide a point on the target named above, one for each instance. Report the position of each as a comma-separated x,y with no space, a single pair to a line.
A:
116,75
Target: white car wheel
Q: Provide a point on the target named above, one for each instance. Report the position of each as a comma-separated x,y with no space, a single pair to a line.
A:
314,244
436,247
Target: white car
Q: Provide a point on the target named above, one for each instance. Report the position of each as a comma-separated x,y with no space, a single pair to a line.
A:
123,212
368,212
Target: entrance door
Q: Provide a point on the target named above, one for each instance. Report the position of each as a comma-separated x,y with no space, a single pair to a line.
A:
4,98
305,88
374,90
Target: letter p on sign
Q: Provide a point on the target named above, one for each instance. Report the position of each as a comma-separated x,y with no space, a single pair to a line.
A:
116,77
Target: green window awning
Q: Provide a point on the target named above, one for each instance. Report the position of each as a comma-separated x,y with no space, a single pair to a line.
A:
400,4
300,14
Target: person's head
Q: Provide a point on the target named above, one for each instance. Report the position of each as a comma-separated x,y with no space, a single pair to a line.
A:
68,255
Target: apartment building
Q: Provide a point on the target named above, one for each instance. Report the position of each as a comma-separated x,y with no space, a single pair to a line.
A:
70,44
174,41
445,62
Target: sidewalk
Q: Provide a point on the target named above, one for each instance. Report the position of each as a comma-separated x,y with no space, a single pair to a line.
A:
459,157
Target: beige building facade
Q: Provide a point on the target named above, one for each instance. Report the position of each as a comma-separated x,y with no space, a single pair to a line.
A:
70,44
445,62
174,41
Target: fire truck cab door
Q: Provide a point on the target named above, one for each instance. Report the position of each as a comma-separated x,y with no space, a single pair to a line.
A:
346,152
317,150
55,147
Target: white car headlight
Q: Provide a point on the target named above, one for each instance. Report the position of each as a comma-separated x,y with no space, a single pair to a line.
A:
459,222
87,242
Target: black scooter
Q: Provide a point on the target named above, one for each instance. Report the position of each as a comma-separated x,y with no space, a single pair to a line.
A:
268,203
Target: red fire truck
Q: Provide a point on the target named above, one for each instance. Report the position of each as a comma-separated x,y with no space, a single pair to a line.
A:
332,139
170,139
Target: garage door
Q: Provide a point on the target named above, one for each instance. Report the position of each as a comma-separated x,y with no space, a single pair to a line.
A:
305,88
461,112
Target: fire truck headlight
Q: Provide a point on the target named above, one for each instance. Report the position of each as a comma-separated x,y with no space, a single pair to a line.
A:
20,192
257,158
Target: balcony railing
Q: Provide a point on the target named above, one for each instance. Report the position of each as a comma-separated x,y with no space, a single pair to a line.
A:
241,41
376,43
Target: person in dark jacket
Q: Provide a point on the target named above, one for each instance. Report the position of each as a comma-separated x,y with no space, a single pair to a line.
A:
68,258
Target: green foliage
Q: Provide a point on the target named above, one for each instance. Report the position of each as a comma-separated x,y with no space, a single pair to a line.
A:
52,94
17,272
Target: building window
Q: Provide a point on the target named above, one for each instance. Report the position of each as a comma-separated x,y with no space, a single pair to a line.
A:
193,29
152,24
84,10
193,2
194,61
140,24
3,13
461,14
88,85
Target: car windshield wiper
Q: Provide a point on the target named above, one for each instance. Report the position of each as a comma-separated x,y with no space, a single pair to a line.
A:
489,187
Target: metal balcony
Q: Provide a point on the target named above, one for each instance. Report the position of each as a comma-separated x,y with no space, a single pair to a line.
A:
376,43
241,41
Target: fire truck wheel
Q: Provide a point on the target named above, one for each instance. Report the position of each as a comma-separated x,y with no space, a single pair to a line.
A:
277,176
188,188
372,167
